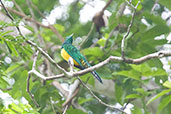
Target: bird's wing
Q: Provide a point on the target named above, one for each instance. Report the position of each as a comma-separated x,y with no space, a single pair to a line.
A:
76,55
80,59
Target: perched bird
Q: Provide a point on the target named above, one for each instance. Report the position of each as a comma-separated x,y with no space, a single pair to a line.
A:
68,50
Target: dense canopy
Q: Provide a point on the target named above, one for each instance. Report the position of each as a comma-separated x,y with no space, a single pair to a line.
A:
126,41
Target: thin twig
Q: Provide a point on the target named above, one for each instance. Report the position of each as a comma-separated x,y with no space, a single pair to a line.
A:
74,88
29,76
58,86
46,55
53,29
129,28
37,9
9,15
17,112
108,3
98,99
35,59
154,6
6,89
35,26
52,105
28,90
65,109
110,35
130,3
72,93
17,6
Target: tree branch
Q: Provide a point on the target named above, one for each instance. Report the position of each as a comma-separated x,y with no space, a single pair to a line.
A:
98,99
65,109
46,55
71,96
137,61
17,6
28,90
129,28
29,76
154,6
44,78
108,3
21,14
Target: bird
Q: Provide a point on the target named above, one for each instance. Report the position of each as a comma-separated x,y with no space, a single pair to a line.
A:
69,51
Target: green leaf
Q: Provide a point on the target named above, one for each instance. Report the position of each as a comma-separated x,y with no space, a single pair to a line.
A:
95,51
132,96
12,69
3,83
158,72
12,48
75,111
141,68
5,33
150,34
166,3
101,42
129,73
158,95
146,70
167,84
141,91
59,27
136,110
164,102
105,73
84,100
20,108
119,93
91,80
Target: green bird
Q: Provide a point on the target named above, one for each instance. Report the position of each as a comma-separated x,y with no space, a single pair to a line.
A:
68,50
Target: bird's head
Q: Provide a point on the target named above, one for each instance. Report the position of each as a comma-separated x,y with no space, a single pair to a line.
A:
69,39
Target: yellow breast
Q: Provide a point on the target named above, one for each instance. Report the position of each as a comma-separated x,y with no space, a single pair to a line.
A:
66,56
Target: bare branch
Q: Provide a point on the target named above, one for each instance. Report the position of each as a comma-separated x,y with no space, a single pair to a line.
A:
53,29
154,6
98,99
28,90
65,109
126,60
129,28
110,35
35,59
60,88
140,60
52,106
35,26
130,3
29,76
44,78
108,3
6,89
74,90
17,6
46,55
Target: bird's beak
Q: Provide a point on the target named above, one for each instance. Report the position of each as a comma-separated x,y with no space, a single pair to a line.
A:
72,34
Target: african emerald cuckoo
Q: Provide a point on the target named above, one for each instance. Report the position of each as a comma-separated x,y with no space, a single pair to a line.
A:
68,50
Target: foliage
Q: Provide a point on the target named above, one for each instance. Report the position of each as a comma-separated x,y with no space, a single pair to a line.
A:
140,83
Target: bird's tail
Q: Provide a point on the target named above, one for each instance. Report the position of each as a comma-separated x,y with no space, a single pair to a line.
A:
96,75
